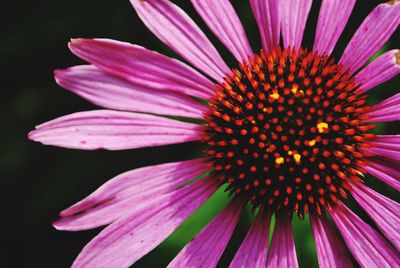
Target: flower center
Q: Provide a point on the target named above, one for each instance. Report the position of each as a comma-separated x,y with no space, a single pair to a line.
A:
285,131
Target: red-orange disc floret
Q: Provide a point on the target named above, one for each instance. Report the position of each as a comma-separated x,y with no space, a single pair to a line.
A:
285,130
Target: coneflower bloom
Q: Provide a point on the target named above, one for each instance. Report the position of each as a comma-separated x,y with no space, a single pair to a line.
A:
286,131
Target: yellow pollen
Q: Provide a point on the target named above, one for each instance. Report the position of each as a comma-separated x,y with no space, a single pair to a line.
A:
360,173
322,126
294,90
280,160
274,96
290,153
297,158
311,143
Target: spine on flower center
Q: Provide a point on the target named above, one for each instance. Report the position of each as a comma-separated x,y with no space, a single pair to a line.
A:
285,131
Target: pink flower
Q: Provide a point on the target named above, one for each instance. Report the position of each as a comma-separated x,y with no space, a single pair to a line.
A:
287,132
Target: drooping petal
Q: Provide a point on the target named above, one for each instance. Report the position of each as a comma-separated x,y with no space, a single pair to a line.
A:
371,35
113,130
207,247
382,210
385,111
332,19
330,251
117,196
142,67
131,237
177,30
379,71
221,18
293,16
282,251
267,17
253,250
385,151
111,92
384,170
367,246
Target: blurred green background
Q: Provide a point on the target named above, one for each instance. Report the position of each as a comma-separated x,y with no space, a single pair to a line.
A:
38,181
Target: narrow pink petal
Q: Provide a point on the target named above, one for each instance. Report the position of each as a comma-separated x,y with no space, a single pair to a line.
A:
385,111
142,67
333,17
371,35
267,17
118,196
177,30
253,250
282,251
392,153
384,170
330,251
386,141
221,18
382,210
113,130
131,237
293,16
207,247
368,247
111,92
384,68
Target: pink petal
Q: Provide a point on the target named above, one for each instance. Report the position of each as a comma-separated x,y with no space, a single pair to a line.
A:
221,18
293,16
385,111
177,30
384,68
253,250
368,247
392,153
333,17
384,170
383,211
131,237
267,17
386,141
282,251
371,35
113,130
207,247
112,92
330,251
142,67
120,195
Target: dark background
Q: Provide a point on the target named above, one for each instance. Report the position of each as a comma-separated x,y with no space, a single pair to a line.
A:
38,181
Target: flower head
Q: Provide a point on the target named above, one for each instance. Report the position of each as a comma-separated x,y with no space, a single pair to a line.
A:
287,130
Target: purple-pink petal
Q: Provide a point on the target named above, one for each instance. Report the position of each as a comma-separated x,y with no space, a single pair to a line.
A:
207,247
392,153
293,15
221,18
382,69
177,30
142,67
253,250
385,171
332,19
111,92
385,111
330,251
115,198
371,35
383,211
113,130
367,246
282,252
386,146
267,17
131,237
